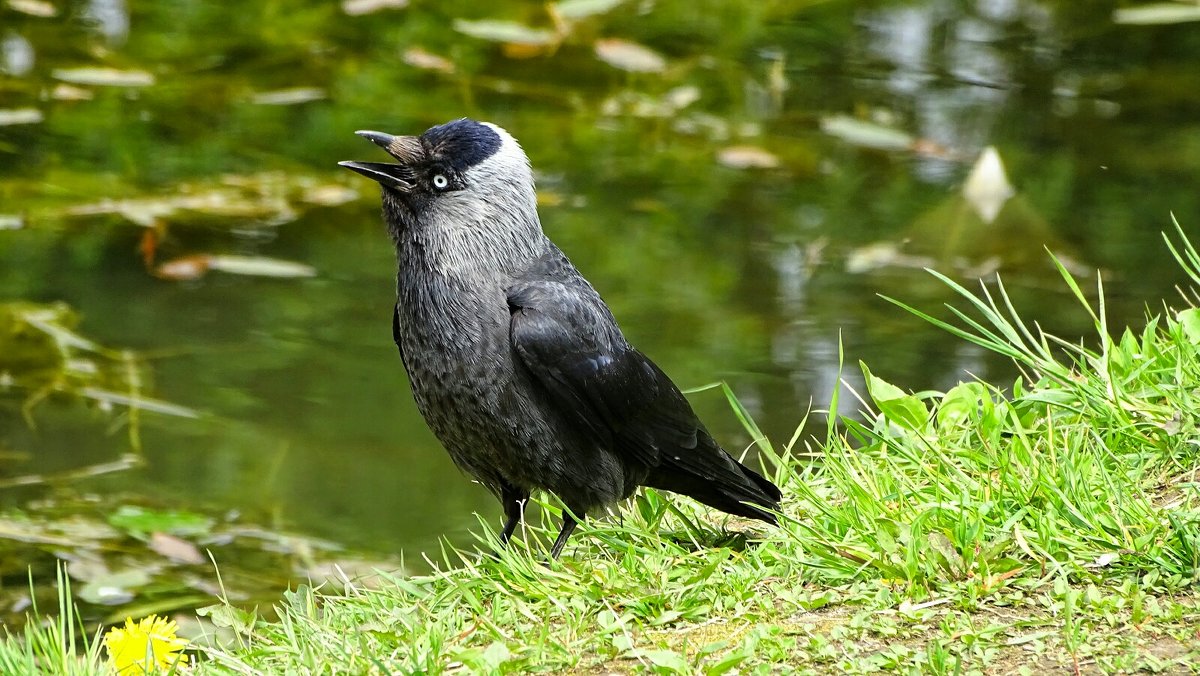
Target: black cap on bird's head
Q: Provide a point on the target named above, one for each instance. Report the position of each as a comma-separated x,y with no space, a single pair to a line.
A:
460,177
436,161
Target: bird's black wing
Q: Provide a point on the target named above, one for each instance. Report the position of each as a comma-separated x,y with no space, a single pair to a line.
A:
568,341
396,332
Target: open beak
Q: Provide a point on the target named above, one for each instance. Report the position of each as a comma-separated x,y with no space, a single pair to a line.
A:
406,149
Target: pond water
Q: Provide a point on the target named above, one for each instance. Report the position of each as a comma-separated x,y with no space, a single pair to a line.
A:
741,195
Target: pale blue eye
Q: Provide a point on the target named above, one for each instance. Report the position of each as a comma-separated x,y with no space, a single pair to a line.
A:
440,181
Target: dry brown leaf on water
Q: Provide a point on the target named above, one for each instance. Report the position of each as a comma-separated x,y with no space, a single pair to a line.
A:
361,7
747,157
424,60
629,56
103,77
175,548
148,246
184,267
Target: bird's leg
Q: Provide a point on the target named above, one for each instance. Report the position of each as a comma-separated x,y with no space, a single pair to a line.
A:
568,527
514,501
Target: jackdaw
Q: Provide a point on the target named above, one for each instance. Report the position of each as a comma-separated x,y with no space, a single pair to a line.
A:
515,362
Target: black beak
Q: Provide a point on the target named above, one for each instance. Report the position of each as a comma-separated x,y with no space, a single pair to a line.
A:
395,176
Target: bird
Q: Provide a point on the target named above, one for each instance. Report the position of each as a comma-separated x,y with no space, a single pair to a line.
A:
515,362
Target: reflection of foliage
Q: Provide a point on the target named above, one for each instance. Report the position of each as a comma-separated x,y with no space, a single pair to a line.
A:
41,354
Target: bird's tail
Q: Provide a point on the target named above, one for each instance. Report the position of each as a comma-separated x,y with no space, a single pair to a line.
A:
715,478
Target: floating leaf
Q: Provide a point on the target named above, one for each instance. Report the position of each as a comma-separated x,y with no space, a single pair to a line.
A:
13,116
747,157
197,265
866,134
104,77
66,92
987,187
288,97
582,9
175,548
1157,14
682,97
361,7
37,8
330,195
629,56
419,58
260,266
509,32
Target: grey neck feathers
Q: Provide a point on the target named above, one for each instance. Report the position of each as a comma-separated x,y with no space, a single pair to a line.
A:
468,243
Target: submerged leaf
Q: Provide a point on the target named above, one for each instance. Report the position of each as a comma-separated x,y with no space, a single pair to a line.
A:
629,56
140,522
114,588
140,403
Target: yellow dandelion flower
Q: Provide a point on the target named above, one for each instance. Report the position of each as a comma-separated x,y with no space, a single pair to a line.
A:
149,646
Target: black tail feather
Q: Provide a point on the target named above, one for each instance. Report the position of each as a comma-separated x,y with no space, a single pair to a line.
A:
733,488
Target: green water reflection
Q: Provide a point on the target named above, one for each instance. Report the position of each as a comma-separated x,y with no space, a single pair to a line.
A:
717,271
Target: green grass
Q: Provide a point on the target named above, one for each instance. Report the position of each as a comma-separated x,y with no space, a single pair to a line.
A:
1052,524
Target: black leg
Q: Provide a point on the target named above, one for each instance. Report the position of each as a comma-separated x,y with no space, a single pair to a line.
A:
514,501
568,527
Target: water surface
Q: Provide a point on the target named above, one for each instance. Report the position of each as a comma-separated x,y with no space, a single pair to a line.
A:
719,271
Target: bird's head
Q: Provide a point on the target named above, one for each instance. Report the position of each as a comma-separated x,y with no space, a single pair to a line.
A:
462,174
